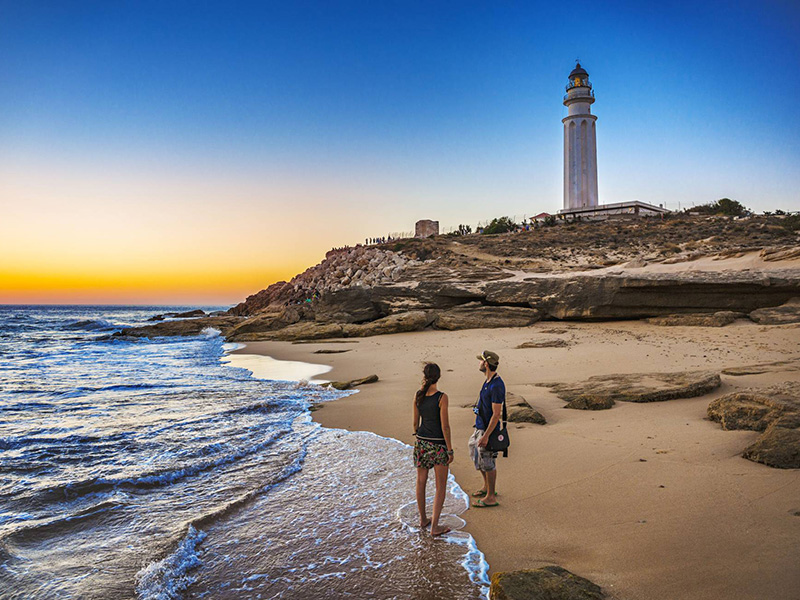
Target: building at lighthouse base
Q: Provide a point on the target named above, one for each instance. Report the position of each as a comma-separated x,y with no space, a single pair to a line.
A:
632,209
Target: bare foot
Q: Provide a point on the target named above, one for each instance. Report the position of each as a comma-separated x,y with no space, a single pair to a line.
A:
439,531
424,523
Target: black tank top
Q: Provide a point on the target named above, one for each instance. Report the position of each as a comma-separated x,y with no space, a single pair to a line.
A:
431,428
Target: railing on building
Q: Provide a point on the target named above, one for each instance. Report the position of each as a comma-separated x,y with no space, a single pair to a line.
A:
578,83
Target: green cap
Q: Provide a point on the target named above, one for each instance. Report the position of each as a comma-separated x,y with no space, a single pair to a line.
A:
490,357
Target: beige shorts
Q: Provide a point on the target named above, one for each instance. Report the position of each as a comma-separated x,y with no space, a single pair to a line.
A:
484,459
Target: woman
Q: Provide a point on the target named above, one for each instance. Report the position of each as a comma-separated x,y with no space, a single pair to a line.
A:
433,449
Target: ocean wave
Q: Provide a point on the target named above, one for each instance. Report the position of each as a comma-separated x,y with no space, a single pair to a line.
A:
51,526
167,578
72,490
10,443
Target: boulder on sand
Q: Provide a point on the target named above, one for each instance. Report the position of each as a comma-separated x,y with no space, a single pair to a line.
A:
547,583
526,415
601,391
519,411
775,411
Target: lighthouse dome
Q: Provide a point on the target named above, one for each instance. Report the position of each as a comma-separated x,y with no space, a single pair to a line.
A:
578,71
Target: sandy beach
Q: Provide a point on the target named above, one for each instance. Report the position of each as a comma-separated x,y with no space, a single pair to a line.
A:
651,501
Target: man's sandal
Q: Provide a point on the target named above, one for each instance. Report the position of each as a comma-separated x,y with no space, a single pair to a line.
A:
482,493
482,504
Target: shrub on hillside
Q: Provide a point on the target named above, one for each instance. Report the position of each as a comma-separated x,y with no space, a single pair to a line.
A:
792,222
723,206
501,225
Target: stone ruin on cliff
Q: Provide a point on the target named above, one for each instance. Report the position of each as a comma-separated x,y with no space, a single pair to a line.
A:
426,228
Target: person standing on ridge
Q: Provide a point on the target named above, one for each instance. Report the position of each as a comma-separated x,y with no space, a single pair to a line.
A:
433,448
487,411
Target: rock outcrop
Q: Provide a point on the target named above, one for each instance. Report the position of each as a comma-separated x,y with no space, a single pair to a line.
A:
476,316
513,280
775,411
601,391
189,314
311,330
788,312
362,266
547,583
182,327
619,296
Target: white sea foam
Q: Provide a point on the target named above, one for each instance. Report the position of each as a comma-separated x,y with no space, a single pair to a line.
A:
167,578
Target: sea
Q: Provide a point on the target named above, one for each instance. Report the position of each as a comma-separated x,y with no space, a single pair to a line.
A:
156,469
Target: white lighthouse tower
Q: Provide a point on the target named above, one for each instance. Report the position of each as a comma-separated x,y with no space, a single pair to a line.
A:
580,145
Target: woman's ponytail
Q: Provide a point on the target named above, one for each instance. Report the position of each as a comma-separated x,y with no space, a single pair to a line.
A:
431,374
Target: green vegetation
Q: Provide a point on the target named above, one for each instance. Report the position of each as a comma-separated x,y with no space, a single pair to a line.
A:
723,206
792,222
501,225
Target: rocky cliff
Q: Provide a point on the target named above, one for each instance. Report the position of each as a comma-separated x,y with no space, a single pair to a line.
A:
588,271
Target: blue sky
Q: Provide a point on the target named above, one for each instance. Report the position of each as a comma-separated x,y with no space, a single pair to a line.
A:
357,118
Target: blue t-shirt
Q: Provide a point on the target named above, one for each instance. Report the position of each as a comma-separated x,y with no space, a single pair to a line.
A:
492,392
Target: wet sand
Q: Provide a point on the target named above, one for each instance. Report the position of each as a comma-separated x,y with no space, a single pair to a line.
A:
650,501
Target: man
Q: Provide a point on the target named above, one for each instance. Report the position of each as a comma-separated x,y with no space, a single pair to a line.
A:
487,410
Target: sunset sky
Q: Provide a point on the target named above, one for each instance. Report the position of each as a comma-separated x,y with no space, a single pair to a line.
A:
195,152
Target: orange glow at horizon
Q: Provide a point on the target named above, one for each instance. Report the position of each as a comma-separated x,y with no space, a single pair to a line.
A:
92,236
172,287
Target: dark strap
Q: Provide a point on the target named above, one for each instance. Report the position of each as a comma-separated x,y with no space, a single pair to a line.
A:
505,423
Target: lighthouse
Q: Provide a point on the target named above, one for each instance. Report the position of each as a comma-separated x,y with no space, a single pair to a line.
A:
580,145
580,160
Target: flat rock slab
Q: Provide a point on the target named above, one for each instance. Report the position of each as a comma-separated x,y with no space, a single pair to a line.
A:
717,319
346,385
601,391
547,583
325,351
778,315
775,411
325,342
780,366
557,343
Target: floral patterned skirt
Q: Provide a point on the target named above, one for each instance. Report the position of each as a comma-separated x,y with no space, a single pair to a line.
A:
427,454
